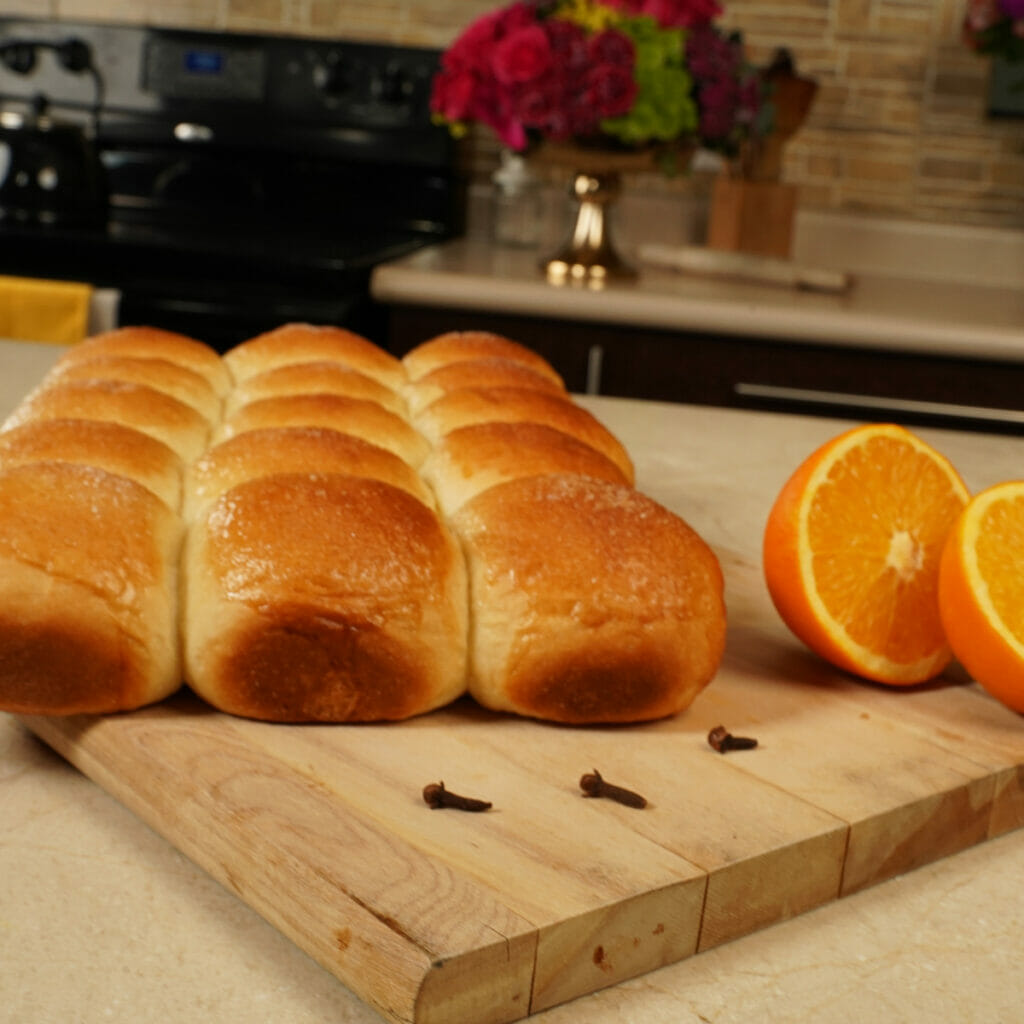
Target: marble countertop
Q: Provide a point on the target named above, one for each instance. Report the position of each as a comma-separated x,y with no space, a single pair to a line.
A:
102,920
882,309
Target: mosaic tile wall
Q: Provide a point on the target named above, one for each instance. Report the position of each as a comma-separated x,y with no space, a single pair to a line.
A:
899,126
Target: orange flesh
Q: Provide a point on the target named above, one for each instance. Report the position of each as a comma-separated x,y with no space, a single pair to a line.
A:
876,528
1000,553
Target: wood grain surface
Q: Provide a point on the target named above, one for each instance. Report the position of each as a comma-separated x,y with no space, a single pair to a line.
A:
436,915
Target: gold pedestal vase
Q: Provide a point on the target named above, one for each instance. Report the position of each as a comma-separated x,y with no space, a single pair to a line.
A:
589,255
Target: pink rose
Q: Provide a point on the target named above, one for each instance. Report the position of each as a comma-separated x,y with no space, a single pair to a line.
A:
612,47
521,56
611,89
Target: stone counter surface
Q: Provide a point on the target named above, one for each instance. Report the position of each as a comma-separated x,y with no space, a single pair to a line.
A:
102,920
883,309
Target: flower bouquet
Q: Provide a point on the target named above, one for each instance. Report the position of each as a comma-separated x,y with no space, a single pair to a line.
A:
603,86
618,73
995,28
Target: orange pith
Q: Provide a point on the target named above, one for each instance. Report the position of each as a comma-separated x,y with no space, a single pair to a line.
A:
981,590
851,552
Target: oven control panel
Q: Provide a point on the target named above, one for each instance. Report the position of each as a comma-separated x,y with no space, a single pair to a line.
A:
203,68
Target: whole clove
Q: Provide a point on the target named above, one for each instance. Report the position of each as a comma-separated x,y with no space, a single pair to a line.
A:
436,796
723,741
594,785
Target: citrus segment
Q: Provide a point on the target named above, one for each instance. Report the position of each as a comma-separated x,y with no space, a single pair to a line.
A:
852,547
981,591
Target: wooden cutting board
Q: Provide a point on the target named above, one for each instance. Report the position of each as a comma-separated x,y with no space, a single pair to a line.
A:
436,915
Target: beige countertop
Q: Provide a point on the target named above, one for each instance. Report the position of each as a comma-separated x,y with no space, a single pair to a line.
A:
882,310
103,920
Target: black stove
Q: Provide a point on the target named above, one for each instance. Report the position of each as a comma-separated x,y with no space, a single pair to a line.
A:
224,183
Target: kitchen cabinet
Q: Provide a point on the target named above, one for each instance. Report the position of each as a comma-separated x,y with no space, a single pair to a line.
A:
722,369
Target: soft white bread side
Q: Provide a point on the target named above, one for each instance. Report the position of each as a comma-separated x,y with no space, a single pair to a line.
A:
471,459
154,343
304,343
316,378
465,346
590,602
152,412
272,450
520,405
355,416
171,378
88,584
323,598
110,446
475,374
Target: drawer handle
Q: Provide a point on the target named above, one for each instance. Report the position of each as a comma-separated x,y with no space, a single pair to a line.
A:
811,396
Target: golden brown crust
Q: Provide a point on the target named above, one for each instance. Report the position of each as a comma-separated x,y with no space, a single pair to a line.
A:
460,346
138,406
590,602
272,450
470,459
88,578
111,446
324,598
518,405
172,379
304,343
355,416
321,377
154,343
475,374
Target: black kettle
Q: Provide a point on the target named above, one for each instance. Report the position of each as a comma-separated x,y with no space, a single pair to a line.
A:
50,171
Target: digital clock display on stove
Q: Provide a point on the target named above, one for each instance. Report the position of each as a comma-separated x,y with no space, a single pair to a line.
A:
193,66
204,62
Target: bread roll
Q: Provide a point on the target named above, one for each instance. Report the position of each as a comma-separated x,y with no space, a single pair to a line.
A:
360,418
88,585
468,460
161,374
152,412
463,346
153,343
109,446
304,343
273,450
478,373
518,405
323,598
323,377
590,602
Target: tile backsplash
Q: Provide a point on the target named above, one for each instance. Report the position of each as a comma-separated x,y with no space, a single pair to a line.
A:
899,127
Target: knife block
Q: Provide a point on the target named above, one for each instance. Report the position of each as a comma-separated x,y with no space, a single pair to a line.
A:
752,216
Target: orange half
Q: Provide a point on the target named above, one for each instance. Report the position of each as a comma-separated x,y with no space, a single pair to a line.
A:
852,548
981,590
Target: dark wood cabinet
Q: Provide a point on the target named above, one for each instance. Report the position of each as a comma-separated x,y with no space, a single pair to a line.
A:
744,372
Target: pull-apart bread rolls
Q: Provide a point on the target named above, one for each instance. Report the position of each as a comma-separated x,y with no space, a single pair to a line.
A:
111,446
324,598
146,409
91,465
271,450
473,346
292,344
518,405
590,602
88,581
153,343
354,416
471,459
321,585
319,377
